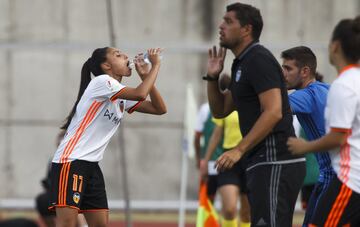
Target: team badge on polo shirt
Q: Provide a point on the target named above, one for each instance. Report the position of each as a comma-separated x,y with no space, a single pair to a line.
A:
238,75
76,197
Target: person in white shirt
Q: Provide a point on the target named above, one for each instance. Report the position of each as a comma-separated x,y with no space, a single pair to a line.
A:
340,204
76,181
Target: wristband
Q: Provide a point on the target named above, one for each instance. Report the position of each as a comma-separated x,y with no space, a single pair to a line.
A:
209,78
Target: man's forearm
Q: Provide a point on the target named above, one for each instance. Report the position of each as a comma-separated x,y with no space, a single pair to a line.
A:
263,126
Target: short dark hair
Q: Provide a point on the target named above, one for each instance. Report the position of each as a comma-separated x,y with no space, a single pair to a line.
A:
319,77
303,56
347,32
247,14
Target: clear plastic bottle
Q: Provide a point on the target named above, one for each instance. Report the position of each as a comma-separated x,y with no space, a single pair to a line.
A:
146,60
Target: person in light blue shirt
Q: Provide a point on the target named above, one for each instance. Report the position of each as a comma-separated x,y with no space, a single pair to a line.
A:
308,103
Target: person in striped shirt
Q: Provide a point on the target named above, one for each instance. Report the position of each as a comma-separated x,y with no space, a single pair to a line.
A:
340,204
76,181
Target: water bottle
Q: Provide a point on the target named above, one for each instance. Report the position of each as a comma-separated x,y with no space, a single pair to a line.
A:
146,58
131,64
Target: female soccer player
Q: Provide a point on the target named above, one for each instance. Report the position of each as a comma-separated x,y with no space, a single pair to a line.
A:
340,204
77,182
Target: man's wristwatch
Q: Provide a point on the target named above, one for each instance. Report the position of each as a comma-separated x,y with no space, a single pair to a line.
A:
209,78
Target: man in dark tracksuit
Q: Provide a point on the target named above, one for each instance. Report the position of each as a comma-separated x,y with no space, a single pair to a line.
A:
258,92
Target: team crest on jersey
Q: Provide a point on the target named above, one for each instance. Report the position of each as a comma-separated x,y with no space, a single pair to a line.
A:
238,75
109,85
121,104
76,197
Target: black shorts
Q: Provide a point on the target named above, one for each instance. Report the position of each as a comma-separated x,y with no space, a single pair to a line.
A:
236,176
78,184
318,192
212,186
272,192
339,206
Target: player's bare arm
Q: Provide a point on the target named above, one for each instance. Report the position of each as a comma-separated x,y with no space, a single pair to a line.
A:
330,141
214,142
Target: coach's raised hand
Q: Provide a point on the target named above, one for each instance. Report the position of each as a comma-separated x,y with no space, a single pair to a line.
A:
216,61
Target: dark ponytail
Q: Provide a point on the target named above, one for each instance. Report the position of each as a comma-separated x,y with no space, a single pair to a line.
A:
347,32
92,65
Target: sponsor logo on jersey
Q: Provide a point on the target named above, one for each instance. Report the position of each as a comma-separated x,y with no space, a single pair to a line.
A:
108,114
76,197
112,117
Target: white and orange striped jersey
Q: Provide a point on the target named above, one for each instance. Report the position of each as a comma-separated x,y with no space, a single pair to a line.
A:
97,117
342,113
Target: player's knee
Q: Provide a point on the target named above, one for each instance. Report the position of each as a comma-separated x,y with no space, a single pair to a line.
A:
229,212
97,223
66,222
